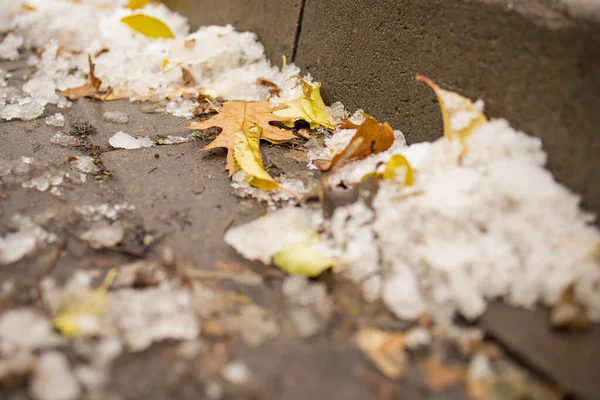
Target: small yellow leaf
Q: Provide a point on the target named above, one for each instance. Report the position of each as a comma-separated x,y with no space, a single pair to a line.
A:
302,259
135,4
80,316
148,26
28,7
247,158
165,63
309,107
398,160
460,116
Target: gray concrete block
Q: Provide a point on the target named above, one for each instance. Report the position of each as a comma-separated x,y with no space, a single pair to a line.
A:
535,63
275,21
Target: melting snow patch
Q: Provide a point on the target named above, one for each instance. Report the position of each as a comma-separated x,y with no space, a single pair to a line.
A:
122,140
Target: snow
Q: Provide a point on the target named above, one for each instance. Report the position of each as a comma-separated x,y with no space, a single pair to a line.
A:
28,237
55,120
9,47
498,225
53,378
224,62
122,140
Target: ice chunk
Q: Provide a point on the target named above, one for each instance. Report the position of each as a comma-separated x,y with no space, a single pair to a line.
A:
96,212
151,315
63,140
53,379
29,236
122,140
116,117
103,236
236,372
56,120
26,108
25,329
264,237
85,164
9,47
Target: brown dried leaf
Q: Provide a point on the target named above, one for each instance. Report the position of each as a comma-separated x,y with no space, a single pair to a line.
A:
439,376
236,115
567,313
88,89
374,138
188,78
385,349
272,87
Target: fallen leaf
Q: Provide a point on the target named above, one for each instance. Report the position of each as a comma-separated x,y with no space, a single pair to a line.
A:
396,161
148,26
385,349
28,7
188,78
234,116
308,107
460,115
567,313
439,376
373,138
272,87
247,158
302,258
79,317
135,4
88,89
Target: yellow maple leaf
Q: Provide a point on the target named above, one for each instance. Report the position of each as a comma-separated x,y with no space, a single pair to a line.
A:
302,258
308,107
247,157
397,161
459,115
234,116
148,26
80,316
135,4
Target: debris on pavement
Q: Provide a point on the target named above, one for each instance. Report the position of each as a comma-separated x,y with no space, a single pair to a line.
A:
386,350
